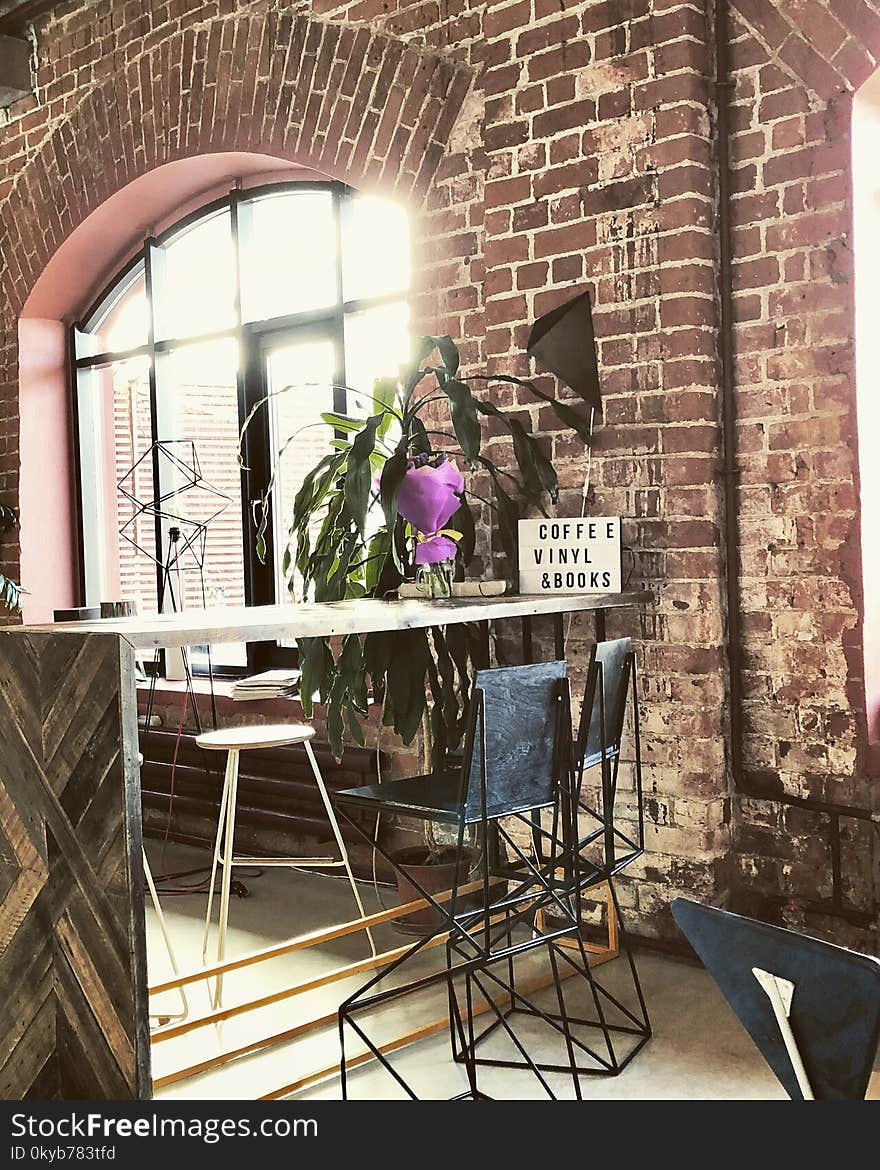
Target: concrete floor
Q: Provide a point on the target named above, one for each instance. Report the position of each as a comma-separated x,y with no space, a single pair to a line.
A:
699,1050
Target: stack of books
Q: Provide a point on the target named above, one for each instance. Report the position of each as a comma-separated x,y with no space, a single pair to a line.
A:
271,684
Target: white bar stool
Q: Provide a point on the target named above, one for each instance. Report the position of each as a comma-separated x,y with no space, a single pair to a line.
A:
234,740
162,1017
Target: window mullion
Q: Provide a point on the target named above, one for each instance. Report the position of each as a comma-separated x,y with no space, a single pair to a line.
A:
150,270
247,381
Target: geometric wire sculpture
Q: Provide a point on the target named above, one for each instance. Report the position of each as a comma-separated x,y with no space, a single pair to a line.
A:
176,459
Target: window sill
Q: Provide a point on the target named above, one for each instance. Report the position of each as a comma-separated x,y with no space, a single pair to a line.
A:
171,692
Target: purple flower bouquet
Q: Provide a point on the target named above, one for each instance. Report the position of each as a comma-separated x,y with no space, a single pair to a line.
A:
430,495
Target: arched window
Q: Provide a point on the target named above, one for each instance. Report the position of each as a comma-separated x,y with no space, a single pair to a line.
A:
300,284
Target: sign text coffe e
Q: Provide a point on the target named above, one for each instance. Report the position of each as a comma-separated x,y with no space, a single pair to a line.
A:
570,556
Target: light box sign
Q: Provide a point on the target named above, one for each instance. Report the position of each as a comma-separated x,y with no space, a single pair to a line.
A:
570,556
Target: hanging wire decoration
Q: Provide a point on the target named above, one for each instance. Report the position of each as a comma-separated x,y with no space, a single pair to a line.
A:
183,509
175,466
180,514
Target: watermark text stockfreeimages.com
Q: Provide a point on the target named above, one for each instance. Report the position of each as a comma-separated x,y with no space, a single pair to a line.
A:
96,1127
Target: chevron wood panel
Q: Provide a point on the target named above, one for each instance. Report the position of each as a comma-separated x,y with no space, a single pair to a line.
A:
73,986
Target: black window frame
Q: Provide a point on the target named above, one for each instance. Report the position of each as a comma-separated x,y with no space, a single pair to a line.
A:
253,339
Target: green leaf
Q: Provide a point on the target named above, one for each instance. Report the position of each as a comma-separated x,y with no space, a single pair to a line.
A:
354,727
342,422
377,553
448,696
407,669
351,670
385,393
463,410
539,474
463,521
315,486
389,492
311,663
358,476
419,441
581,426
448,351
507,512
458,645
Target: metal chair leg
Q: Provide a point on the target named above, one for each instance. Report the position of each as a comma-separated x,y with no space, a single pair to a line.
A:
334,824
157,906
226,880
218,842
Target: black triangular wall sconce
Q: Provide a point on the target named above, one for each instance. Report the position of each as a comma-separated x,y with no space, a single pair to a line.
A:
564,343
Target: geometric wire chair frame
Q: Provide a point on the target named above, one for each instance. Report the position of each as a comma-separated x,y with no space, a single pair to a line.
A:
634,1030
477,933
611,679
472,954
598,742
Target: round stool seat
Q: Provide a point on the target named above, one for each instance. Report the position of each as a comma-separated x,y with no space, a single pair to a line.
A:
266,735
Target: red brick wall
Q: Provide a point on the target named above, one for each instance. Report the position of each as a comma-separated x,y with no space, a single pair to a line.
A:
796,66
546,146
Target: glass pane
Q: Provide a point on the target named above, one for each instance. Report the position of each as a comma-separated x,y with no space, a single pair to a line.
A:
121,323
377,344
115,431
199,426
288,254
375,247
298,437
194,280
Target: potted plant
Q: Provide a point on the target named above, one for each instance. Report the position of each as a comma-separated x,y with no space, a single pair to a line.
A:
390,502
10,591
364,522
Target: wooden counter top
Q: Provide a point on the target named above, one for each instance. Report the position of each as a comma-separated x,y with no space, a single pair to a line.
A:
263,623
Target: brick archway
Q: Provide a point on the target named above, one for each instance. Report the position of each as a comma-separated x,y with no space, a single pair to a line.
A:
350,103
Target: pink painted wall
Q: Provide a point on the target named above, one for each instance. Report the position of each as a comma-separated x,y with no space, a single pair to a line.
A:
77,272
866,217
45,504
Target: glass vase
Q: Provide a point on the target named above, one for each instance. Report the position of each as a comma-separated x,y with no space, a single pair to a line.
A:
436,580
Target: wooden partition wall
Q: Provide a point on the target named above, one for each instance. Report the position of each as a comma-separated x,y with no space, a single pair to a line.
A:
73,1014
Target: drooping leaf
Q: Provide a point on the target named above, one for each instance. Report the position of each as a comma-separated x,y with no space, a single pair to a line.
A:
358,475
463,411
419,441
456,639
463,521
354,727
311,664
506,512
346,423
448,692
406,681
448,351
582,426
538,473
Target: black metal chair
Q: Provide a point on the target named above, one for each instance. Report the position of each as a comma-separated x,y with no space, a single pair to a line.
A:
598,848
611,682
516,762
812,1008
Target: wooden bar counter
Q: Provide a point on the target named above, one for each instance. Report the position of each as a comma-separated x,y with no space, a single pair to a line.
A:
73,972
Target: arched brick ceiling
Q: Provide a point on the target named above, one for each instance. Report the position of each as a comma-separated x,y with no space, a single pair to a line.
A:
353,104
